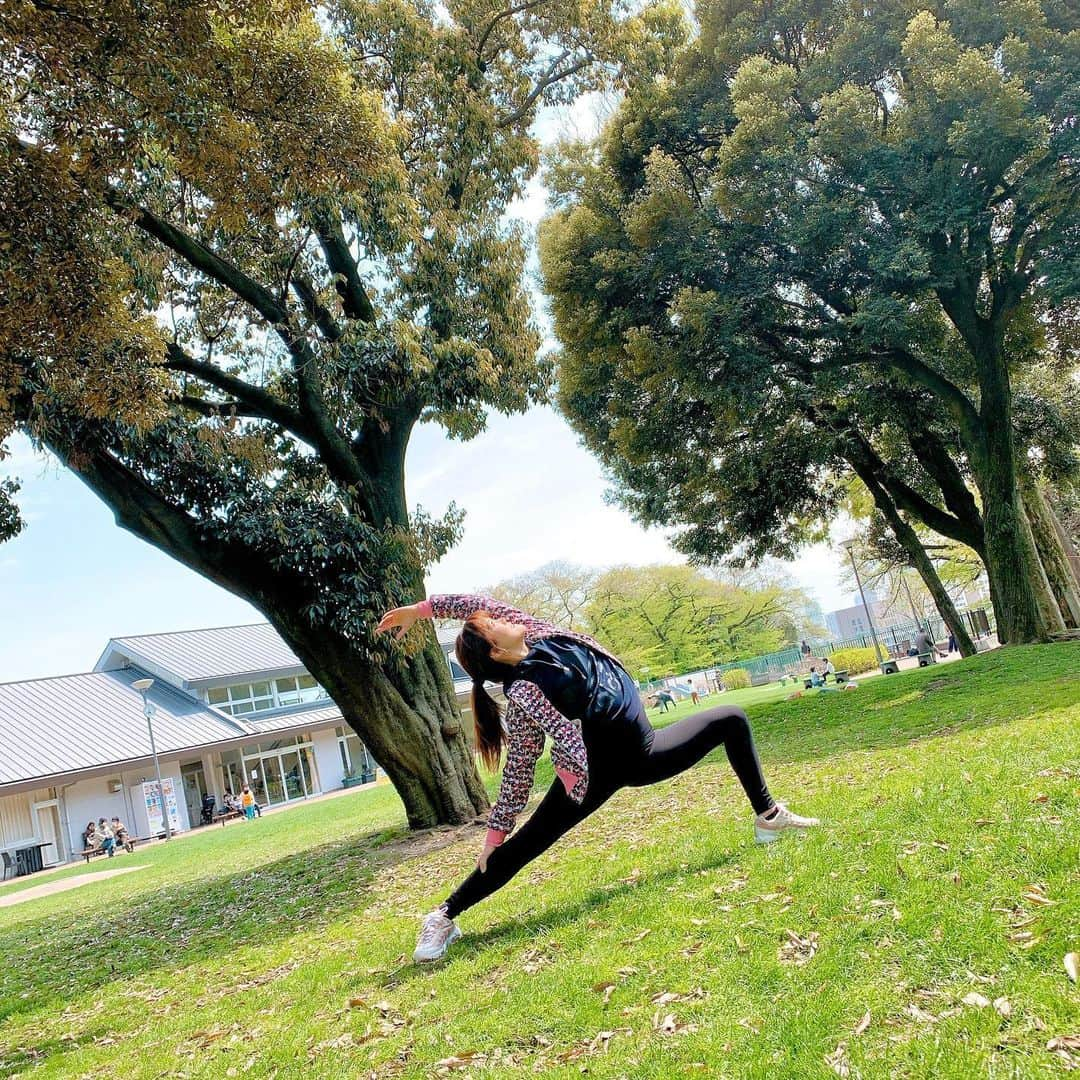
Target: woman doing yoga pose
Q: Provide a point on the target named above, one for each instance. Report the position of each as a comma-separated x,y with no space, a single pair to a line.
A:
566,685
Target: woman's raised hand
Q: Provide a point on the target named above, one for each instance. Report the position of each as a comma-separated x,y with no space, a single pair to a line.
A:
401,618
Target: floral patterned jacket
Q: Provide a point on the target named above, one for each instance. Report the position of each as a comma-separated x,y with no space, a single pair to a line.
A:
529,716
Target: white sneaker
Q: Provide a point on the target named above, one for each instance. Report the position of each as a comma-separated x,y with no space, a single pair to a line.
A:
765,832
437,933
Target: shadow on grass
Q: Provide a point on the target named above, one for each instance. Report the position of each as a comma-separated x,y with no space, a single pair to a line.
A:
57,958
526,925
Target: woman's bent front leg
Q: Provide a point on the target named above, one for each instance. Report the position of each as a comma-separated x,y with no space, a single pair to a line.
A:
553,818
676,747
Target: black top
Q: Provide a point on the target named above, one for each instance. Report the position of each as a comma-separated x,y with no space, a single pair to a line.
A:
580,682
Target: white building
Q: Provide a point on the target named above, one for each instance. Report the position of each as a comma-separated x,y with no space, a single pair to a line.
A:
232,705
850,622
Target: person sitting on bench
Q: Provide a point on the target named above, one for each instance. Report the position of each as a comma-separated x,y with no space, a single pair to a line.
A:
121,835
925,645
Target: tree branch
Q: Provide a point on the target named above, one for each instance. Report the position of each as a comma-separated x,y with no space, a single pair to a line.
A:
550,77
256,401
314,309
354,300
202,259
514,9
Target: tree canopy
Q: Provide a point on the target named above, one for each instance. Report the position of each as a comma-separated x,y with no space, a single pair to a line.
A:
824,235
275,237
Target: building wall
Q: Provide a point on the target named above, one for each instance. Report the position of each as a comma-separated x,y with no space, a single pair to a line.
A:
92,799
16,820
324,748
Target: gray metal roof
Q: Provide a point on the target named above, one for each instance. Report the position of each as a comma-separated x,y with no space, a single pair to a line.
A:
306,716
50,727
215,653
74,722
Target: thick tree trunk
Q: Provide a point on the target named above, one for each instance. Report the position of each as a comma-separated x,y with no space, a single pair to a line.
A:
1052,555
407,716
909,541
942,601
403,709
1023,603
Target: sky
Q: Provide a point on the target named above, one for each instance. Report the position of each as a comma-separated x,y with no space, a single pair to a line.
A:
73,579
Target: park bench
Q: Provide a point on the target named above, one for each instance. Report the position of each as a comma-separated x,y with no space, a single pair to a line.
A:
227,815
89,853
838,676
926,659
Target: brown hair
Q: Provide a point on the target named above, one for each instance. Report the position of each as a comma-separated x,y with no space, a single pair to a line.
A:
474,655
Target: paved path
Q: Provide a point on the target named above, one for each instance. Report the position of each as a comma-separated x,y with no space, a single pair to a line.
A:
63,885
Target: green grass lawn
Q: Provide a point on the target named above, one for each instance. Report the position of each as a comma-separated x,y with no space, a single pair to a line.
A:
919,934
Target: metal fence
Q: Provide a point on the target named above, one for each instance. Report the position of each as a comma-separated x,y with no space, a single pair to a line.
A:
896,640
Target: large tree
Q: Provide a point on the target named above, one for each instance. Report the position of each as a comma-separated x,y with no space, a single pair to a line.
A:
820,200
246,246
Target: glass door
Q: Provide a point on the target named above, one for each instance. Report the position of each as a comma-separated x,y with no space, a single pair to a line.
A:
307,767
270,767
294,783
256,773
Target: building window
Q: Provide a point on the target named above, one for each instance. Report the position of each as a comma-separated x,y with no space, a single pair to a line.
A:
244,698
280,770
456,670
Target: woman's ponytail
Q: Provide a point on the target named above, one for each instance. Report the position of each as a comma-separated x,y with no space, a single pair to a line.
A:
489,729
474,655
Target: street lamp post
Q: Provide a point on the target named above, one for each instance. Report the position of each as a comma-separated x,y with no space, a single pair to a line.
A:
848,544
143,685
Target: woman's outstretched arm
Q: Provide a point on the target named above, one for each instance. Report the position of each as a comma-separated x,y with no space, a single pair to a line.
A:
462,605
459,606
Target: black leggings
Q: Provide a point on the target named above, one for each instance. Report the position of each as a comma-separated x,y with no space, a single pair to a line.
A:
665,753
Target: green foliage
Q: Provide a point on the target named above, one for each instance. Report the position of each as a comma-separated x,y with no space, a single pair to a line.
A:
736,679
823,234
670,619
276,239
855,660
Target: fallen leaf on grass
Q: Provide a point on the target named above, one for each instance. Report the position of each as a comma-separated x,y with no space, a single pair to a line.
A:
1062,1047
921,1015
1003,1006
1072,966
459,1061
605,988
637,937
862,1025
1036,894
797,950
976,1000
665,997
837,1060
669,1025
342,1042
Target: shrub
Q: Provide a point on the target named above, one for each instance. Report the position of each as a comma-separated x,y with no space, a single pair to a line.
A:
736,679
854,661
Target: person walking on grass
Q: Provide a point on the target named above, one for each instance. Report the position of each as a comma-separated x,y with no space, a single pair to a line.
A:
247,802
566,685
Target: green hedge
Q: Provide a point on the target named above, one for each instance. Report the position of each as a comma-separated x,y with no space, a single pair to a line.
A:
736,679
854,661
